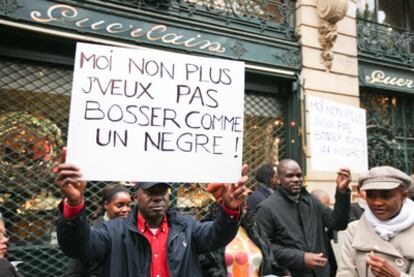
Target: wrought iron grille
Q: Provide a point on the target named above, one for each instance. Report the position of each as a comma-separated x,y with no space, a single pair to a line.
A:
385,42
34,110
274,18
390,130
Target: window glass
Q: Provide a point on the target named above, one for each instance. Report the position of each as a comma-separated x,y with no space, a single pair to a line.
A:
411,15
391,12
366,9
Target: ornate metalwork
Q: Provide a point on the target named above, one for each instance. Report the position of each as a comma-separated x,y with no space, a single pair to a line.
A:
385,42
238,48
390,129
8,6
273,17
292,58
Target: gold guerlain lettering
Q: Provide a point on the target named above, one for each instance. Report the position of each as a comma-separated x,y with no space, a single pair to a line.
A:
376,77
95,26
212,46
379,76
68,14
172,38
115,28
81,21
188,41
63,11
137,32
158,28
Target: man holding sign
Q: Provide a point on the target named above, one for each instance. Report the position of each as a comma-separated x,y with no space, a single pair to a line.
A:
295,221
154,240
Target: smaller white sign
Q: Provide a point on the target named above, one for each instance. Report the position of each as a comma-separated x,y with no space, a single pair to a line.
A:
338,136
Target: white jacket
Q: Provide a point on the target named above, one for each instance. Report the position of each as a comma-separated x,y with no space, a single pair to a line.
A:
360,239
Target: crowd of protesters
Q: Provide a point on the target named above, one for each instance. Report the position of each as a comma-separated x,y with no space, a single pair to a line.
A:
280,229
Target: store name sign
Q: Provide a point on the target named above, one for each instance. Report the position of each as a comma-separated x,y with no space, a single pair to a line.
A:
380,77
66,14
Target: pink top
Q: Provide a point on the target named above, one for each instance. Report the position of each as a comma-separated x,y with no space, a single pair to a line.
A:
243,257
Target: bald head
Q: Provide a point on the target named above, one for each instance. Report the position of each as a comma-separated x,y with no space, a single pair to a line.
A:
290,176
284,164
322,196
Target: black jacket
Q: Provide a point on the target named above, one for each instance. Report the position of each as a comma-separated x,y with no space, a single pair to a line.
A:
356,212
257,197
7,269
296,228
86,268
124,251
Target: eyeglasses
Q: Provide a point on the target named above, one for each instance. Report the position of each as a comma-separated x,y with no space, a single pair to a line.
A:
4,235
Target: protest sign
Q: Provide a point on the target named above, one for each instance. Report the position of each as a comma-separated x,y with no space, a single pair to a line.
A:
147,115
338,136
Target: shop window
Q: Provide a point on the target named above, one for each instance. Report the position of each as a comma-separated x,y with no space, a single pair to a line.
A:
385,30
391,12
411,18
366,10
394,13
34,112
390,130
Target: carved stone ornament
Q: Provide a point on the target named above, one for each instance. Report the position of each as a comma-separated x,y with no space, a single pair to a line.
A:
8,6
330,12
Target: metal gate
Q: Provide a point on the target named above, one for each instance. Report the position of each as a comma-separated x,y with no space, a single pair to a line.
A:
390,130
34,110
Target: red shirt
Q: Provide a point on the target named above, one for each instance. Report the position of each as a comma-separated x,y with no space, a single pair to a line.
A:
158,242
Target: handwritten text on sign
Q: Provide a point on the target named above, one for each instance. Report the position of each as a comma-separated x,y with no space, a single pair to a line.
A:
338,136
145,115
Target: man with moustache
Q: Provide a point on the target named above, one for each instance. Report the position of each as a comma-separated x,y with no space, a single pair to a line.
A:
295,221
154,240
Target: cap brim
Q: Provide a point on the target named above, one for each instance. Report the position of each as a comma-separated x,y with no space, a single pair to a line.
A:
380,185
148,185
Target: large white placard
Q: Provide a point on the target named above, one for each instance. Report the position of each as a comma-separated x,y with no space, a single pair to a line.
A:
338,136
146,115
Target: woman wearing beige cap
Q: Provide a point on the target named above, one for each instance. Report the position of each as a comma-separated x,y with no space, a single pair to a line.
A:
381,243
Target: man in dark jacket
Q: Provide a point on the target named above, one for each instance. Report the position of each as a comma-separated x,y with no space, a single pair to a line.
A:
295,221
153,240
267,178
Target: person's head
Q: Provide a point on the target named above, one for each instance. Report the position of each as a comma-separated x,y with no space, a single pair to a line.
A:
386,189
153,200
4,239
322,196
289,176
266,174
116,201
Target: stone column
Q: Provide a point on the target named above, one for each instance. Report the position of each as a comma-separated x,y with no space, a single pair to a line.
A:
327,30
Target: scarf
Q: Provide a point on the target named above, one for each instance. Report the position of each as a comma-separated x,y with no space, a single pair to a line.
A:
390,228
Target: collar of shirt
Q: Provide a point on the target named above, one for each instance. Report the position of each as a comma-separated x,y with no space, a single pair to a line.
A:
143,226
302,196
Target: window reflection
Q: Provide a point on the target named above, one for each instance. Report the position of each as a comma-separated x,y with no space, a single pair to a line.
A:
387,12
391,12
